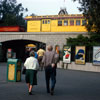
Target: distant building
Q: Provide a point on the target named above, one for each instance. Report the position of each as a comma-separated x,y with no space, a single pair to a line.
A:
63,22
63,11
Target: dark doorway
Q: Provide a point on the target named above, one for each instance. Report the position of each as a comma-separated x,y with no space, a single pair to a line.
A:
18,46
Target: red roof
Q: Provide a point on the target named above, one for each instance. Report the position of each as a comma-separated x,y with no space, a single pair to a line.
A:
11,29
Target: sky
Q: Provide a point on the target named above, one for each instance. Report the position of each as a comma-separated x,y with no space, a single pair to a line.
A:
49,7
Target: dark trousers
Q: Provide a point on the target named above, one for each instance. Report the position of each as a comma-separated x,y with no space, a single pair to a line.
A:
50,73
40,62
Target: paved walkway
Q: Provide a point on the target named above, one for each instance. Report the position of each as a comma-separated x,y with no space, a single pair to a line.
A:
71,85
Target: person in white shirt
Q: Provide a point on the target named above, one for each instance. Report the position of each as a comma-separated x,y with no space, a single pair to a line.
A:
32,66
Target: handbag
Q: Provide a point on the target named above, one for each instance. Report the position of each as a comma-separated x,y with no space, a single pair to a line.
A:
24,71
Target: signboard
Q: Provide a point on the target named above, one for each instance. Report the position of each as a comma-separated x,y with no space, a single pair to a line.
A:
67,54
9,53
80,55
96,55
11,72
9,50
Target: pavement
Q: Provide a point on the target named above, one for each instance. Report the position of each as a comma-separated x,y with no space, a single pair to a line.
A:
71,85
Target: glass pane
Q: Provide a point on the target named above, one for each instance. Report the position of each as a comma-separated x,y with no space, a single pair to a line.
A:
77,22
71,22
59,23
45,21
48,21
66,23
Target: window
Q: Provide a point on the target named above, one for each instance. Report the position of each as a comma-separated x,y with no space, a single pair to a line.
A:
65,22
48,21
71,22
77,22
83,22
43,22
59,23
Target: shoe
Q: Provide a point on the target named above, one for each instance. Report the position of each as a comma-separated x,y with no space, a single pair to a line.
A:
30,93
52,93
48,91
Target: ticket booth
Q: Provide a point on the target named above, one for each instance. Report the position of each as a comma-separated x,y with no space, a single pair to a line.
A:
13,70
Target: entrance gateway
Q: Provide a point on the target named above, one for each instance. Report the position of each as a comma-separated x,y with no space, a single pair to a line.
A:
17,48
18,40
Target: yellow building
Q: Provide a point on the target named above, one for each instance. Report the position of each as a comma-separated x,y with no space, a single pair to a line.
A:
56,23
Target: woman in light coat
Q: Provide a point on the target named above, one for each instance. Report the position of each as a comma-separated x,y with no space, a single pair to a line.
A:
32,66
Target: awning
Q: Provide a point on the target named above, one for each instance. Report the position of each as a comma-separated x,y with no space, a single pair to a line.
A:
30,46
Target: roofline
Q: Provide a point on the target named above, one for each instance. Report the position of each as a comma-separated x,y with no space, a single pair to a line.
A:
77,16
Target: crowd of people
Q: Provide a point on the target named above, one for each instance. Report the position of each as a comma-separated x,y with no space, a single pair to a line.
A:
40,60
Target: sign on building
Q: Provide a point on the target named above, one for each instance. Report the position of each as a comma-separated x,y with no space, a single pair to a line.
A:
80,55
96,55
67,54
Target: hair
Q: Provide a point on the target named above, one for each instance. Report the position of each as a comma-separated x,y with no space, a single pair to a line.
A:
32,53
49,47
41,47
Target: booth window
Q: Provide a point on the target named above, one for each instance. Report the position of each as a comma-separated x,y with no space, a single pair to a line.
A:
65,22
59,23
72,22
77,22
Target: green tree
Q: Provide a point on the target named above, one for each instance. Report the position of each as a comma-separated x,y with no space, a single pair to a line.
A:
79,41
11,13
91,11
93,40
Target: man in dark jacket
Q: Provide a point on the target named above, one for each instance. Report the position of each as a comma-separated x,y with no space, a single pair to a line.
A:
50,69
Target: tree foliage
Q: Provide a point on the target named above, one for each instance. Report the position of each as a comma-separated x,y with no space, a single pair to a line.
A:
93,40
91,10
11,13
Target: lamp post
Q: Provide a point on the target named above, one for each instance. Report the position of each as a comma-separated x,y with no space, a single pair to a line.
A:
1,51
0,44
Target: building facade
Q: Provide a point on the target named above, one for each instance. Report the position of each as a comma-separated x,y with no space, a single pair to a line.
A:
56,23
